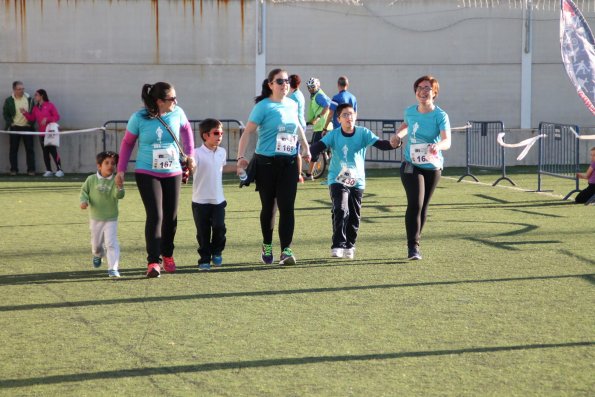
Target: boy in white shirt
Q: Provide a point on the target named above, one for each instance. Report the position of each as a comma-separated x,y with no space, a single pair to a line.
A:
208,201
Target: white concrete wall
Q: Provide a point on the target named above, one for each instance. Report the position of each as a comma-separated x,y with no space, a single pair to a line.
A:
93,57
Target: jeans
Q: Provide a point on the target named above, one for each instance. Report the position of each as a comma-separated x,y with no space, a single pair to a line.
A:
210,229
15,140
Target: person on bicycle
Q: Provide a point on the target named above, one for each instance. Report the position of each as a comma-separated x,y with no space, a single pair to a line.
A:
317,114
347,176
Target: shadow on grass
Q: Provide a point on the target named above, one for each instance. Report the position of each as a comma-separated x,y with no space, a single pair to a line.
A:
509,245
135,274
273,362
225,295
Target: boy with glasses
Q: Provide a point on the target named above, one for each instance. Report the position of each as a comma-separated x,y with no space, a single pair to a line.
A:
208,201
347,176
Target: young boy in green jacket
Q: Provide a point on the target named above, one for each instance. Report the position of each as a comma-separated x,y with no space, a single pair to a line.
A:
100,193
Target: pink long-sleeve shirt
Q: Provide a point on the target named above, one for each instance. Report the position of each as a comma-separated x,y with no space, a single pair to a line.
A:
43,115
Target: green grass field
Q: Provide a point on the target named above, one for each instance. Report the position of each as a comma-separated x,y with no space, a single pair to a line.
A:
501,305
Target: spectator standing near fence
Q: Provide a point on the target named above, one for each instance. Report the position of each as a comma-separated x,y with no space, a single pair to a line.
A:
43,113
158,172
428,130
298,97
586,195
15,121
343,96
208,201
317,115
347,176
101,195
274,119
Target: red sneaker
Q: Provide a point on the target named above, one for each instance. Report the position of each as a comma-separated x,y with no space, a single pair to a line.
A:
169,264
153,270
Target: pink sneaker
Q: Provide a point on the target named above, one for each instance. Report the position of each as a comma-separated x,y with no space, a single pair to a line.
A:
153,270
169,264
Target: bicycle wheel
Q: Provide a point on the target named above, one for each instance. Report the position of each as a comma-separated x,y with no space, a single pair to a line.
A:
319,166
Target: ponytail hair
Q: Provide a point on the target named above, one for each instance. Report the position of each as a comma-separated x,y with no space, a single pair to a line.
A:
266,90
150,93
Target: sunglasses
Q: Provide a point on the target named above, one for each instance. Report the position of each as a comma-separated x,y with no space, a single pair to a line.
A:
217,133
172,99
282,81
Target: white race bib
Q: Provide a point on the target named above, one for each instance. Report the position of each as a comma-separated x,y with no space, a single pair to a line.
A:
164,159
347,177
420,154
286,143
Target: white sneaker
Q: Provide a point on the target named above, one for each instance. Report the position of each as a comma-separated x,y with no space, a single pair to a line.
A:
349,253
48,174
59,173
337,252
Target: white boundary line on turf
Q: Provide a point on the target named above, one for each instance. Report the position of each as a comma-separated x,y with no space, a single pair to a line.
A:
507,187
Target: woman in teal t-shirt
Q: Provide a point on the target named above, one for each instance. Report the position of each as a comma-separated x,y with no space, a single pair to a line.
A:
275,120
428,128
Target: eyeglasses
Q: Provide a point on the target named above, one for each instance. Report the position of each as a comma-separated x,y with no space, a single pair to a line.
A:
282,81
347,115
172,99
424,89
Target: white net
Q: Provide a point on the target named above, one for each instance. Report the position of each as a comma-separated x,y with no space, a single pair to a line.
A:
538,5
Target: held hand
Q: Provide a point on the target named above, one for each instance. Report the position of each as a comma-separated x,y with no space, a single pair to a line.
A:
191,164
84,205
23,110
395,141
242,163
120,180
307,157
433,149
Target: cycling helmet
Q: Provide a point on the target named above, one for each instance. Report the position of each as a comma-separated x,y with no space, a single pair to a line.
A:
313,83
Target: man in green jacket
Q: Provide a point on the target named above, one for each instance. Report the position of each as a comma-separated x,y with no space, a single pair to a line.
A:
15,121
317,114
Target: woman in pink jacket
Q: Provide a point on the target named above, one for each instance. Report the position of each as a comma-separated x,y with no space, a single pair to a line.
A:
43,113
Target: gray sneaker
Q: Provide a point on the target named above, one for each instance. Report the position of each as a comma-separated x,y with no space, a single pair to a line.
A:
414,254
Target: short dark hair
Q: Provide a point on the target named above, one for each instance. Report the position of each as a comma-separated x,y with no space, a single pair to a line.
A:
343,81
341,107
16,83
294,81
207,125
432,80
105,155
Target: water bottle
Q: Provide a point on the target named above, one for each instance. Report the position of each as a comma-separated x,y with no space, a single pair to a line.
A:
243,175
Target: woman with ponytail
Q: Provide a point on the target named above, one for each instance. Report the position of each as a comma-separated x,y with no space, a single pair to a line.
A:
274,119
158,172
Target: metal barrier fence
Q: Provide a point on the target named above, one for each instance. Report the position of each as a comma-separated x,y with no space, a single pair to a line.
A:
381,127
483,150
558,153
232,130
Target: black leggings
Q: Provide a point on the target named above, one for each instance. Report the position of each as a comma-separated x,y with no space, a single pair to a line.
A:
419,186
585,194
276,180
160,197
47,151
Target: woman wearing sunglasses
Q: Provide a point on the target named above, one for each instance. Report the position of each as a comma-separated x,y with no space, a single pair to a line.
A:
428,128
158,172
274,119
